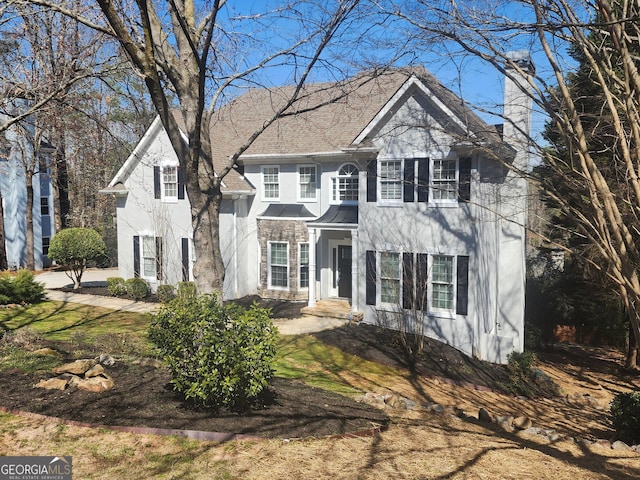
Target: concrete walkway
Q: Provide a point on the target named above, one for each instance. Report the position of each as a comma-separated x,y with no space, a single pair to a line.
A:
54,279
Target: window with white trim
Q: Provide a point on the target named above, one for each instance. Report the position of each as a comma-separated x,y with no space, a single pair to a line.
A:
303,265
148,255
271,183
278,264
307,182
390,286
442,282
444,180
345,184
170,183
391,180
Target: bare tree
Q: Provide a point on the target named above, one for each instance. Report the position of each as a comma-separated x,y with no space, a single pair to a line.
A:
193,56
488,30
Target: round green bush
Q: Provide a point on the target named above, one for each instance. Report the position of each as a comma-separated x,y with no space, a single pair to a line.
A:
625,413
219,355
20,287
116,286
166,293
137,288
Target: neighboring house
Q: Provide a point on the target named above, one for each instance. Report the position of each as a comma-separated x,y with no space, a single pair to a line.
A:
16,156
395,197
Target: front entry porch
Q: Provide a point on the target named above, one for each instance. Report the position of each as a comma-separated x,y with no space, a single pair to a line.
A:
333,265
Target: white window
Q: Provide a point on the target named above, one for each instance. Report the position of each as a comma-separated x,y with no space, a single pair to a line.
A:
44,206
278,265
170,183
303,265
271,183
45,245
391,180
390,278
442,286
444,181
345,184
307,182
148,255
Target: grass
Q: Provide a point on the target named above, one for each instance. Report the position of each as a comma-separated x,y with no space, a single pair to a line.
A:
59,321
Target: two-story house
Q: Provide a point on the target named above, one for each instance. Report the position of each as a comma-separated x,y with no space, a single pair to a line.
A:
386,191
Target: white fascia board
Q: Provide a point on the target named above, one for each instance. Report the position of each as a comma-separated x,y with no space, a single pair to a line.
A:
413,81
138,151
290,157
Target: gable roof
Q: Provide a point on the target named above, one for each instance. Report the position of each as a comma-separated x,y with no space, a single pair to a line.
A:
333,117
327,118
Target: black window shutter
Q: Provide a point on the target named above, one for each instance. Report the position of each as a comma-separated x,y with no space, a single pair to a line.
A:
136,256
422,281
156,182
462,285
371,278
158,258
180,184
372,180
423,180
185,259
407,281
464,179
409,177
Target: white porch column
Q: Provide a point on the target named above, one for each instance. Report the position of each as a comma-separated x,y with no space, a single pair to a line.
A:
355,293
312,267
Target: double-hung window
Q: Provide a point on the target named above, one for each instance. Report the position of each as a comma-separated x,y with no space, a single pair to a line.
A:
444,180
390,285
170,183
391,180
303,267
271,183
149,257
345,184
442,286
278,265
307,182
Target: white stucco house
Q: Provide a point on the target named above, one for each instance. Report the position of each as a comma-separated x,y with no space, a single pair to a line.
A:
395,197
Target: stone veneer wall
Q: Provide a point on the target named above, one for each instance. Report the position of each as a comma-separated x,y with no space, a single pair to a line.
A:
292,232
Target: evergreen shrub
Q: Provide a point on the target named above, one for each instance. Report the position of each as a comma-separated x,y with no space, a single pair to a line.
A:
219,355
625,413
137,288
116,286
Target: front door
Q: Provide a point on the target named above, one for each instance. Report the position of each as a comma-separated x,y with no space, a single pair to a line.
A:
344,271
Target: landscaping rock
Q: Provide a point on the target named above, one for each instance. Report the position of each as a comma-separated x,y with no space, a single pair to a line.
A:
96,384
104,359
522,423
46,351
505,422
484,416
620,445
53,384
79,367
94,371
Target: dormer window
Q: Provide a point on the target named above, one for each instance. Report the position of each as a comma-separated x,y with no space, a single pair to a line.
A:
345,184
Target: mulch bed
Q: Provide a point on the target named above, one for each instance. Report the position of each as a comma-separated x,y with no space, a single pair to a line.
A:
142,398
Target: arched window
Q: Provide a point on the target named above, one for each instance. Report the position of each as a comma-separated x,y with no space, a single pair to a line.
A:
345,184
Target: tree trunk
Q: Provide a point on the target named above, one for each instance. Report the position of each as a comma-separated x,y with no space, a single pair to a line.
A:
3,250
60,183
29,221
631,362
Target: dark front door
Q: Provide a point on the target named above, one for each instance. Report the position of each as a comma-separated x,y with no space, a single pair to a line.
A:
344,271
